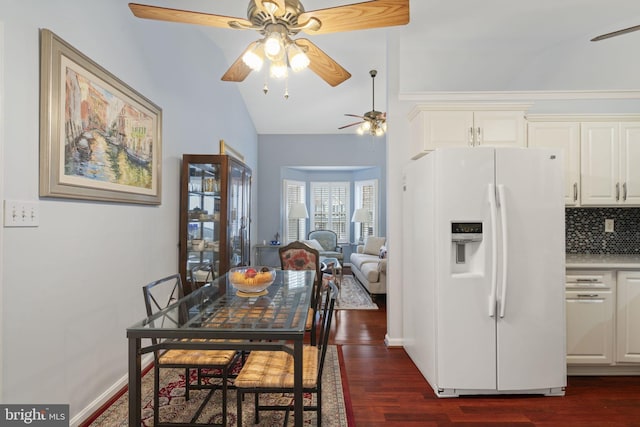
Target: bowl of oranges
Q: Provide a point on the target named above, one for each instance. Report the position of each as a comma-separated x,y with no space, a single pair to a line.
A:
251,281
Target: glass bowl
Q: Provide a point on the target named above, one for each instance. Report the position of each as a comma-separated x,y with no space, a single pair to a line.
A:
251,279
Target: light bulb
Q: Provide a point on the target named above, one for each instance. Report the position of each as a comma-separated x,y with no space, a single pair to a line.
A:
254,57
273,46
297,58
360,130
366,126
379,131
278,70
384,126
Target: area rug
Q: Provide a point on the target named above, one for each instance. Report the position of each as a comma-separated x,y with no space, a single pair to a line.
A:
174,408
353,296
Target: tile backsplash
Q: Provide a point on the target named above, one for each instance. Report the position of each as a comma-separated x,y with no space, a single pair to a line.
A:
585,231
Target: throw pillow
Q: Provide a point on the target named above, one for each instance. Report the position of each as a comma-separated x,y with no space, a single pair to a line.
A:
313,243
383,252
372,245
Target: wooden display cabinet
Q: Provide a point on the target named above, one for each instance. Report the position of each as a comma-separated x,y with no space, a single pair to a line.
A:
215,212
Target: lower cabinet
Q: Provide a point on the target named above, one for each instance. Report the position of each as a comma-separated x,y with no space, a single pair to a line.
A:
628,314
590,317
603,320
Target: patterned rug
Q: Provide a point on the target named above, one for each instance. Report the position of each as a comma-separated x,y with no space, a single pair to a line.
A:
174,408
353,296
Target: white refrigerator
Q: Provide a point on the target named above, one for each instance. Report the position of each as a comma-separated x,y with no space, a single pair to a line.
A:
483,270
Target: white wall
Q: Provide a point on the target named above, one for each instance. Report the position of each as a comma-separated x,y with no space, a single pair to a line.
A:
1,184
71,286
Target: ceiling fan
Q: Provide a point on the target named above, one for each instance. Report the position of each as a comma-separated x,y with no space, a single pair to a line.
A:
278,21
374,122
616,33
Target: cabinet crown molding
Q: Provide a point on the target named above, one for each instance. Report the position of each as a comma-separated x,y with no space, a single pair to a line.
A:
468,106
583,117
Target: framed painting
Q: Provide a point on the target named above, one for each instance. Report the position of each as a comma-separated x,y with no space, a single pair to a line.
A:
99,138
230,151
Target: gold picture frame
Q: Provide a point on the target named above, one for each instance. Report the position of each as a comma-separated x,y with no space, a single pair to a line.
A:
227,149
99,138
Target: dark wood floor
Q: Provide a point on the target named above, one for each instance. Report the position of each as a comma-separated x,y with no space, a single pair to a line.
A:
387,389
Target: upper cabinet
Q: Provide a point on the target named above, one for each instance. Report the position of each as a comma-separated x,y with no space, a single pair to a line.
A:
438,126
600,153
566,137
609,152
214,217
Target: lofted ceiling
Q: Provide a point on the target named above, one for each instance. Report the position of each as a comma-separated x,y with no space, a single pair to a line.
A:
449,45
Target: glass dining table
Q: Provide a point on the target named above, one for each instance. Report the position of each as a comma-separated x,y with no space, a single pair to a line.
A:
275,321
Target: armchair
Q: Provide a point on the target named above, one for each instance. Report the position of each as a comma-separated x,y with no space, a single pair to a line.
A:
328,239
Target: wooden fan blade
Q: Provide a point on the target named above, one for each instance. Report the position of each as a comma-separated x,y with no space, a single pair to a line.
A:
279,6
321,64
352,124
357,16
355,115
184,16
616,33
239,70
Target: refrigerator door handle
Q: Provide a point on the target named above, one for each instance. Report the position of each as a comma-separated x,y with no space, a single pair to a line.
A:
505,249
494,250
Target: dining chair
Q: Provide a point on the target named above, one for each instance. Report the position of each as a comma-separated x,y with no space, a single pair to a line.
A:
330,274
159,295
300,256
201,274
273,371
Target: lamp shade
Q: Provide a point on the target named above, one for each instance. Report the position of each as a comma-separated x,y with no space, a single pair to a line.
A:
298,211
361,215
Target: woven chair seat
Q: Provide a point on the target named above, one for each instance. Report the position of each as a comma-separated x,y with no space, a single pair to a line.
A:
267,369
196,357
309,323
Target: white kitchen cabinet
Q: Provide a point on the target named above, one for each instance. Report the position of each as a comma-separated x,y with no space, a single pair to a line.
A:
609,151
566,137
590,317
628,317
437,127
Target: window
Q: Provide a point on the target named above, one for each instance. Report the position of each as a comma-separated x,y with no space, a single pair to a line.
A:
330,208
295,229
366,196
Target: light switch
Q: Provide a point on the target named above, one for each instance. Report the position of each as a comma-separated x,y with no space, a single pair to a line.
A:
21,213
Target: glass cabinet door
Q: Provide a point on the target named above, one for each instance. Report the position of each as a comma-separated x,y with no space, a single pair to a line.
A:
239,217
203,224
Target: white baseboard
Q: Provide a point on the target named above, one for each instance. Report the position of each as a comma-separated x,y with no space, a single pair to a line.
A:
104,397
393,342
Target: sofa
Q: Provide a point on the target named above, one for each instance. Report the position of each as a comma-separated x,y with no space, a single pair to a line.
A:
369,265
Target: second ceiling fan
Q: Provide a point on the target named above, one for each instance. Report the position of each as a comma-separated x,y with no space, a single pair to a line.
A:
278,21
373,122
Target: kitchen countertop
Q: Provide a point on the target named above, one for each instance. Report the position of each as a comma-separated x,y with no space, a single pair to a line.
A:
626,262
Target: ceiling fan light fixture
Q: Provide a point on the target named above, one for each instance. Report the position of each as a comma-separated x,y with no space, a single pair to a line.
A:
274,42
298,60
254,58
278,70
379,131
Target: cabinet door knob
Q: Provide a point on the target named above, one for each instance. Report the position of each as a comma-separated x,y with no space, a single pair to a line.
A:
617,191
575,191
471,136
624,192
479,136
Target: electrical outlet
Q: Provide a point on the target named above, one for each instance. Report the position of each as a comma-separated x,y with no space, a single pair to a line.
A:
21,214
608,226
